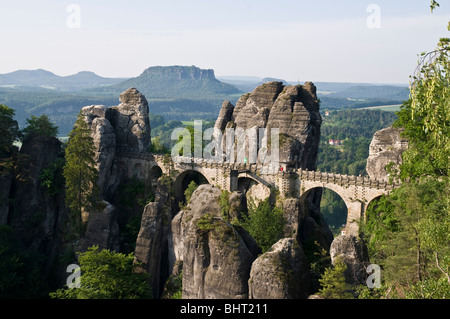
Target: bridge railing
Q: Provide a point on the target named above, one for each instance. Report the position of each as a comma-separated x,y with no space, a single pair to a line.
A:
303,174
344,179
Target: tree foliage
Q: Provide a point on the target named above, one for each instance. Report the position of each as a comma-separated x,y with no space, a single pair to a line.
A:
333,282
41,126
106,274
51,177
190,190
21,271
426,116
9,131
80,173
356,129
408,234
265,223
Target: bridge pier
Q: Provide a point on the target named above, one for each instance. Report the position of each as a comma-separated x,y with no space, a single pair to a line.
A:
355,212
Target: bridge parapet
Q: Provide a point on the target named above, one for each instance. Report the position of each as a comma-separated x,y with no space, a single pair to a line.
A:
345,180
303,174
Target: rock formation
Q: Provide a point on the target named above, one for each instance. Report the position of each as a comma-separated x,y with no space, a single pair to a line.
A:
280,273
387,146
102,229
305,223
130,120
294,110
104,140
122,128
212,251
36,215
216,260
352,251
125,127
152,239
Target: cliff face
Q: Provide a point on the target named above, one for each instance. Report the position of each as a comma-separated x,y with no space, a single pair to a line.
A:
293,110
36,215
121,128
130,120
216,259
281,273
124,128
179,72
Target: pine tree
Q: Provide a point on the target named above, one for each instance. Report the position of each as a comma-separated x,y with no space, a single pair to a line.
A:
265,223
82,191
333,282
9,132
107,274
41,126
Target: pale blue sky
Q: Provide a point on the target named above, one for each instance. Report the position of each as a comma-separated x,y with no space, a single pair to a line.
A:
320,40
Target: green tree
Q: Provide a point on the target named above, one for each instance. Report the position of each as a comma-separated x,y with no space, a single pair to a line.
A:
41,126
80,173
106,274
333,282
408,234
9,132
21,271
265,223
190,190
52,178
157,147
190,142
409,230
426,116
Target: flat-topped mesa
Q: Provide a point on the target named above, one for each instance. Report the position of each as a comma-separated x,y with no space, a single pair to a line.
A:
294,110
180,72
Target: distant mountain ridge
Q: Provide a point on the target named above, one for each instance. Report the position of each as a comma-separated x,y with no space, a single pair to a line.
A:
182,93
175,82
27,79
374,91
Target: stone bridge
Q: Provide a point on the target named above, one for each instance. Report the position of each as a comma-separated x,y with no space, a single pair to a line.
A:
356,191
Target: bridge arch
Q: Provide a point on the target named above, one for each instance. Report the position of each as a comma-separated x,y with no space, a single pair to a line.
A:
252,188
155,172
374,199
335,210
355,206
183,180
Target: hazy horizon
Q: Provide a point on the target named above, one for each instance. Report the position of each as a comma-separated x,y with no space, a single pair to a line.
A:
322,41
244,78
